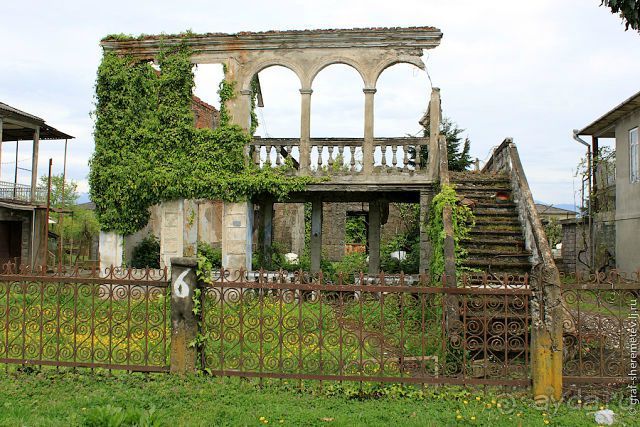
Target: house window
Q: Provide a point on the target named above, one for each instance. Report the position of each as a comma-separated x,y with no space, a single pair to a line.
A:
634,164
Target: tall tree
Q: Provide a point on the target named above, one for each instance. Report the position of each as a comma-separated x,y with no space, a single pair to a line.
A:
459,158
70,190
78,225
629,11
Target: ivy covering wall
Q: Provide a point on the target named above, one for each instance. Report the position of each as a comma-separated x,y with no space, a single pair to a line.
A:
148,150
462,219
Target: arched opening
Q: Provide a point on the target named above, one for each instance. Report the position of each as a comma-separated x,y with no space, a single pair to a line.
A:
337,110
401,100
277,112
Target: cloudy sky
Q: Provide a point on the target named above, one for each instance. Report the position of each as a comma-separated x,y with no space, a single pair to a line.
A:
529,70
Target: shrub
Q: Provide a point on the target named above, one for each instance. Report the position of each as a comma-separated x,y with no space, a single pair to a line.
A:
350,265
146,253
356,229
408,242
213,255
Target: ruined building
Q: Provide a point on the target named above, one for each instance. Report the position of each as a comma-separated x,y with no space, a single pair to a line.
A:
369,170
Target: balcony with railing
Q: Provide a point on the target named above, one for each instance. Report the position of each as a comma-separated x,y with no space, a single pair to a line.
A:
338,157
20,193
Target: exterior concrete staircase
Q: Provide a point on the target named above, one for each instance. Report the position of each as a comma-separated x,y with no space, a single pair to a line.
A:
495,244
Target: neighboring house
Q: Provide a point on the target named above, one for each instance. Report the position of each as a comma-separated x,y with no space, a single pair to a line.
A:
623,124
550,212
23,210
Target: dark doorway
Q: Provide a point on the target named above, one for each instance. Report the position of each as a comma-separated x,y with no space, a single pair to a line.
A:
10,241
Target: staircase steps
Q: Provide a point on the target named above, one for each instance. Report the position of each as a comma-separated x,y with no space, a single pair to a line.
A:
495,243
495,246
497,211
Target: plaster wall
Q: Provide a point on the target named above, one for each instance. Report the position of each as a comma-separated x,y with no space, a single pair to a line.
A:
237,230
627,200
178,224
288,227
111,249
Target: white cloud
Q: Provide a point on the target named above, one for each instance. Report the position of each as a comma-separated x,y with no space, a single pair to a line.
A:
530,70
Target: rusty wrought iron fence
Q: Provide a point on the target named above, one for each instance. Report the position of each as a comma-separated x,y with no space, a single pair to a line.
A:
601,319
114,319
386,328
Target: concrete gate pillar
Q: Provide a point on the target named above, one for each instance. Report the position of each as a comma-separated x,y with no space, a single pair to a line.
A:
237,230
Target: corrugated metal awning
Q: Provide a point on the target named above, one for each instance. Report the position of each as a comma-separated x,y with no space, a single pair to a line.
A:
19,126
604,127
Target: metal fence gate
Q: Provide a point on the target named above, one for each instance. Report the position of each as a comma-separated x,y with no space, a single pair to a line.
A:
363,328
114,319
601,319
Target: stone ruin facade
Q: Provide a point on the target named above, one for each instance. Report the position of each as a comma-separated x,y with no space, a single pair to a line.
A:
369,170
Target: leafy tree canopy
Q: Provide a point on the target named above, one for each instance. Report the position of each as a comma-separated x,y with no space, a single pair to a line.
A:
70,190
629,11
459,158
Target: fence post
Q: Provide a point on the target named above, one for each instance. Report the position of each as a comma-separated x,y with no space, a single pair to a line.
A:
451,279
546,333
184,324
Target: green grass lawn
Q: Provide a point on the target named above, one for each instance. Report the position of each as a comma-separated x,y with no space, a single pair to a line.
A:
99,399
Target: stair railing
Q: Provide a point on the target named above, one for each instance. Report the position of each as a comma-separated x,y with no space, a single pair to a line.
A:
547,314
447,220
505,159
452,305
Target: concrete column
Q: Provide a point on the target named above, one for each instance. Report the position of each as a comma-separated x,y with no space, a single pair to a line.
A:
373,239
237,230
34,163
40,238
426,196
305,129
316,235
243,110
434,131
172,231
239,105
267,232
449,248
184,323
191,223
367,149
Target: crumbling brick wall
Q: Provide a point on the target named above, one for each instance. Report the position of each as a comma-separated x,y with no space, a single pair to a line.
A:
206,116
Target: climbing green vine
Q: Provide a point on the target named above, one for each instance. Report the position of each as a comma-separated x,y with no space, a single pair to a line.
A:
203,274
147,149
226,92
463,220
254,101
